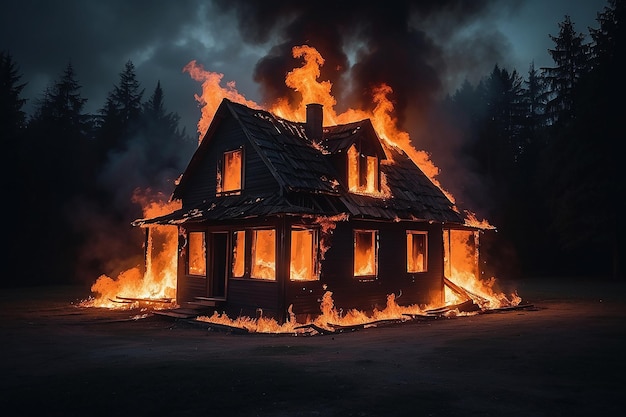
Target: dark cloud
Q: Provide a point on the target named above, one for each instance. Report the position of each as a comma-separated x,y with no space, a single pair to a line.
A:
421,48
372,43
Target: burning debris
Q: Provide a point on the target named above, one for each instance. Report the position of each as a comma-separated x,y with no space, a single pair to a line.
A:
332,320
271,212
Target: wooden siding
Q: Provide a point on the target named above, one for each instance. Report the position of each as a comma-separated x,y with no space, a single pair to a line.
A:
229,136
409,288
274,298
250,297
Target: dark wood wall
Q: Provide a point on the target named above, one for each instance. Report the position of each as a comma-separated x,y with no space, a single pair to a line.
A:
274,298
410,288
202,185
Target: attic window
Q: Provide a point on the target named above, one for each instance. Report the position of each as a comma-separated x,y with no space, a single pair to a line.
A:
303,265
416,251
230,172
365,253
363,173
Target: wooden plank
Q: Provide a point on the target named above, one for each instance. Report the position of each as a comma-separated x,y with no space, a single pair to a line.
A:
202,303
210,298
174,314
145,300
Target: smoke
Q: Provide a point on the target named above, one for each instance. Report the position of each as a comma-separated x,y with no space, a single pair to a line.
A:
422,49
410,45
145,170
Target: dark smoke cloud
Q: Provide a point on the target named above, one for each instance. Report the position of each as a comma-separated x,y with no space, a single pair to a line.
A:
405,44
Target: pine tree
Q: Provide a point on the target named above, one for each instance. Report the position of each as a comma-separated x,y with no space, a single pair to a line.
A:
166,147
15,159
59,157
121,114
572,61
500,144
534,101
12,117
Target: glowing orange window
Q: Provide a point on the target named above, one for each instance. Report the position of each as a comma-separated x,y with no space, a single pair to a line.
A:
303,255
416,251
239,254
365,253
197,254
362,172
231,174
264,254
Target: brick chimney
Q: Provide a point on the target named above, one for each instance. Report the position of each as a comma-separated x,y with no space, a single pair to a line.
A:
314,120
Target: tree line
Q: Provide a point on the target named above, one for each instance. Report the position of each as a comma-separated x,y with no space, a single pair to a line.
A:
545,146
548,146
73,176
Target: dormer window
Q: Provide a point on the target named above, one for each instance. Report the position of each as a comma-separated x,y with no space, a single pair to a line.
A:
363,176
230,172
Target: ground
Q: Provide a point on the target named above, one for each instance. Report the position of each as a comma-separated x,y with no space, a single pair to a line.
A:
563,357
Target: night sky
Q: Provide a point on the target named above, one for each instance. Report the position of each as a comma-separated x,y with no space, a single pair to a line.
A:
423,48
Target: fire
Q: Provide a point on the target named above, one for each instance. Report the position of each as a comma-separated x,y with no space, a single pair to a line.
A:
460,265
328,319
157,285
159,279
212,94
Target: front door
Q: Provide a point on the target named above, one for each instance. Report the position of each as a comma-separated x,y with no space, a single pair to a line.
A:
218,271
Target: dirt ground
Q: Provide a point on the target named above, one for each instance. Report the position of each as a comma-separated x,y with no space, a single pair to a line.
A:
563,357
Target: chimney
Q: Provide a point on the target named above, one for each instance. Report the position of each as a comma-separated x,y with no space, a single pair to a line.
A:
314,119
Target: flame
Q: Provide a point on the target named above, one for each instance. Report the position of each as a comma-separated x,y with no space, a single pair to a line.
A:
212,94
158,282
461,268
329,318
472,221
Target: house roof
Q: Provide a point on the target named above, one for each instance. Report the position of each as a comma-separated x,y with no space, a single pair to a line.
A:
308,179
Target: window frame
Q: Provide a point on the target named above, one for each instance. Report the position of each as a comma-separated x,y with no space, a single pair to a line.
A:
410,234
253,247
221,167
358,171
314,253
190,244
375,244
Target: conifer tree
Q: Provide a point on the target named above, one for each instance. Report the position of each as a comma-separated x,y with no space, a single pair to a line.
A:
572,61
12,116
121,114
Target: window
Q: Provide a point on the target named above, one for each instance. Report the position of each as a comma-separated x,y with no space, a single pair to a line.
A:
365,253
362,172
416,251
239,254
303,255
230,172
264,254
196,262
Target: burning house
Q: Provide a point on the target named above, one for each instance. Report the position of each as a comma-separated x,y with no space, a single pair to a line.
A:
274,213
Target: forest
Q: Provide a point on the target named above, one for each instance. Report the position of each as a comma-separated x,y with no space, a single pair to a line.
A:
545,144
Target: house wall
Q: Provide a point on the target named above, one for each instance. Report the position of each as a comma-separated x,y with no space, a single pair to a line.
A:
249,296
245,296
410,288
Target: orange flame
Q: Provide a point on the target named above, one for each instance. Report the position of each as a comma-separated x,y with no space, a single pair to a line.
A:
328,319
157,285
461,268
212,94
